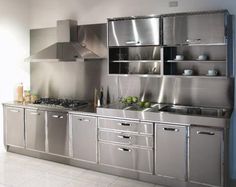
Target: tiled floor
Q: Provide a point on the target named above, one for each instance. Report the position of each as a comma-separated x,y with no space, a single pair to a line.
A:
21,171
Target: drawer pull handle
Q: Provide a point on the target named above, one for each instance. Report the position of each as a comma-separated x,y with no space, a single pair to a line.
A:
35,113
84,120
124,124
15,111
132,42
206,133
171,129
193,40
124,149
57,116
124,137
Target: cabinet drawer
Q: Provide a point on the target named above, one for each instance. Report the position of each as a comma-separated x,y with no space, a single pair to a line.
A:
126,138
124,125
126,157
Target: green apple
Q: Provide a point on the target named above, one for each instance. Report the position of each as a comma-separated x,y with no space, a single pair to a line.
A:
141,103
147,104
134,99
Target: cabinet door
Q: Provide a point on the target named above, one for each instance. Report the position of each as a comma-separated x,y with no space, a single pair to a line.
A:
58,133
84,138
206,156
14,121
170,149
35,130
194,29
132,32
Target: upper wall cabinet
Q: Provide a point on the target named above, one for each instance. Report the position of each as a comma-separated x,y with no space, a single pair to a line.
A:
195,29
134,31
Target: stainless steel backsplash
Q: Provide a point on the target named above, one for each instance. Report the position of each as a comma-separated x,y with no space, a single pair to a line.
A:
77,80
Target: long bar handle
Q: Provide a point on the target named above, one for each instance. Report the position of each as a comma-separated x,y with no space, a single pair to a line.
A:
124,124
206,133
193,40
57,116
132,42
124,137
124,149
170,129
15,111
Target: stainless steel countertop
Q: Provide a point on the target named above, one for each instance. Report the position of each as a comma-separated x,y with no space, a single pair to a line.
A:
89,109
120,111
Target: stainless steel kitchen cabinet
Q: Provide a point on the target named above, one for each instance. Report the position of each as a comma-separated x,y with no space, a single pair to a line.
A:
14,124
58,133
205,28
35,129
134,31
206,156
171,151
84,138
126,157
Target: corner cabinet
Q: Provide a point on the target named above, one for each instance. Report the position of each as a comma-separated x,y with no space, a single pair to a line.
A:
14,126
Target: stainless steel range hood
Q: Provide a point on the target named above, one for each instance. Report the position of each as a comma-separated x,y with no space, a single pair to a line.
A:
71,45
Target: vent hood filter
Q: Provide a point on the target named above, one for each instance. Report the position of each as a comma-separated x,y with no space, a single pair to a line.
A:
68,48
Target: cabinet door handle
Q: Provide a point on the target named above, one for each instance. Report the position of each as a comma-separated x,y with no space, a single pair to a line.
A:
124,149
57,116
193,40
35,113
84,120
15,111
132,42
170,129
124,137
206,133
124,124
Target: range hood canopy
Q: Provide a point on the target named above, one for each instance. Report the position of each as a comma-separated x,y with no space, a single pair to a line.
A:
68,47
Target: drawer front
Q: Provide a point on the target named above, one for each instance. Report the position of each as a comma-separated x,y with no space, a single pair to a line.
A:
126,157
126,138
124,125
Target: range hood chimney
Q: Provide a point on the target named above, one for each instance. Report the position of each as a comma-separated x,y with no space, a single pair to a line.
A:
68,47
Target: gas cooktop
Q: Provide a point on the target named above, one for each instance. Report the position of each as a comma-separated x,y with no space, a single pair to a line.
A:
62,103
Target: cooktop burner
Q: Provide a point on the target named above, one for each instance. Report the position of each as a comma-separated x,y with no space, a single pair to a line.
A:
66,103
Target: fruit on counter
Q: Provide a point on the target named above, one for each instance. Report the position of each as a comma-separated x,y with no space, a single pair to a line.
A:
123,100
147,104
141,103
134,99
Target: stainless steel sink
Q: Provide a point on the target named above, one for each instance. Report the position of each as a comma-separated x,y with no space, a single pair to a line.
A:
200,111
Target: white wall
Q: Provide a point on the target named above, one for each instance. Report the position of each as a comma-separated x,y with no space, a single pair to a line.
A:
14,47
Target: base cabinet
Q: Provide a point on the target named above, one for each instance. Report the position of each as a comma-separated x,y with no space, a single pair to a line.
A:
58,133
35,130
15,127
84,138
206,156
171,151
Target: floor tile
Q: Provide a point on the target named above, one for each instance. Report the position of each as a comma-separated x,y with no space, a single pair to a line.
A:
123,182
23,171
